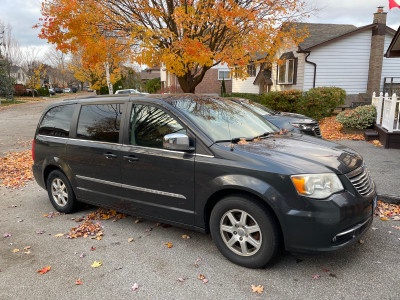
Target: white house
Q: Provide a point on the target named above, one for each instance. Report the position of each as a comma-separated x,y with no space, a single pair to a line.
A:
19,75
345,56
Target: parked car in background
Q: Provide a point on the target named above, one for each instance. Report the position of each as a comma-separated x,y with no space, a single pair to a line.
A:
130,91
58,90
284,120
67,90
74,89
209,164
52,91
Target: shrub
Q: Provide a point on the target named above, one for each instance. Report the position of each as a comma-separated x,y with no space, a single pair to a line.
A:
282,101
317,103
153,86
360,118
43,91
20,90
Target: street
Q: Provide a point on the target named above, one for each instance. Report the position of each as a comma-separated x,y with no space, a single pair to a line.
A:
366,270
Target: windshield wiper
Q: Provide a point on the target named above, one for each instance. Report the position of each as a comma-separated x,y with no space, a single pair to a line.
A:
233,141
264,135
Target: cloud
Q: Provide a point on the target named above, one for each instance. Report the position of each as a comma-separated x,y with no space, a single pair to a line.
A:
22,15
354,12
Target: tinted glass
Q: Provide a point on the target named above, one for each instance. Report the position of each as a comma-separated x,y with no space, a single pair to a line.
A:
149,124
57,121
223,119
100,122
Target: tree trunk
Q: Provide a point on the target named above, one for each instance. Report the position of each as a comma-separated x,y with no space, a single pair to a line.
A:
110,87
188,82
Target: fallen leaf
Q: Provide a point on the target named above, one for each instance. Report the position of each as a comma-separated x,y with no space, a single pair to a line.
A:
181,279
138,221
118,268
396,227
78,282
82,255
325,270
44,270
316,276
40,232
98,238
27,248
257,289
361,241
92,248
332,275
169,245
27,252
242,142
15,251
205,280
19,221
374,228
149,229
389,232
59,235
130,240
201,277
135,287
157,224
384,219
7,235
185,236
96,264
16,169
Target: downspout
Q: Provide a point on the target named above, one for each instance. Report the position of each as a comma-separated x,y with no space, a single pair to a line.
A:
315,67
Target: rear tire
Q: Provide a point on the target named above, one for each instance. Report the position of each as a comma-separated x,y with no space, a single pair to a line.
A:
245,231
60,192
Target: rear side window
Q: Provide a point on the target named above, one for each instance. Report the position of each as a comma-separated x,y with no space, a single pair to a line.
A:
100,122
57,121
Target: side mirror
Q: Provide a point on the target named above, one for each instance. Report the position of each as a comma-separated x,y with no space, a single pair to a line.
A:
177,141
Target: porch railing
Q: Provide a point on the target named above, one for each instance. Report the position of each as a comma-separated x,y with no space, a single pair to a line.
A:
387,111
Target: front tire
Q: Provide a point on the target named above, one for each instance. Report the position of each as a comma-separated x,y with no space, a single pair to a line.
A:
245,231
60,192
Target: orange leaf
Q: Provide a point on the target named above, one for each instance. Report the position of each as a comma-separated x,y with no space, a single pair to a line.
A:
44,270
257,289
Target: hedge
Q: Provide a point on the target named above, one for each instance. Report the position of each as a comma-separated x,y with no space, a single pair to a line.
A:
316,103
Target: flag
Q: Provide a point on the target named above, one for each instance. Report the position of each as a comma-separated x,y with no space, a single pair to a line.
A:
394,3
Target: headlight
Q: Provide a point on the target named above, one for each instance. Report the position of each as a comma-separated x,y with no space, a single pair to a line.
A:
318,186
302,126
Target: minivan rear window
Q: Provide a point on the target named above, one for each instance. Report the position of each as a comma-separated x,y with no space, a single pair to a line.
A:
100,122
57,121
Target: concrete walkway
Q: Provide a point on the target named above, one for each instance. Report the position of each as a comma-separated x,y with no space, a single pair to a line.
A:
383,165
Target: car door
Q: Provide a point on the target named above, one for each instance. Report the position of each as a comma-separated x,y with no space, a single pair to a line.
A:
156,182
94,154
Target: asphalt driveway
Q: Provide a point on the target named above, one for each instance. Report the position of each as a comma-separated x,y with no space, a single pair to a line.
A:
368,270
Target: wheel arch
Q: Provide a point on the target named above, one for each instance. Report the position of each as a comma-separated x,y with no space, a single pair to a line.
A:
221,194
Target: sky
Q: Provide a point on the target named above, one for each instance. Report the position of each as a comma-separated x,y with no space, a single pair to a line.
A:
23,14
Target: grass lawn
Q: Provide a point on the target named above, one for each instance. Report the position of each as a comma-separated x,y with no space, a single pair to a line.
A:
6,103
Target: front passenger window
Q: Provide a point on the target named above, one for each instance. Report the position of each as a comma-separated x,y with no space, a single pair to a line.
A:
149,124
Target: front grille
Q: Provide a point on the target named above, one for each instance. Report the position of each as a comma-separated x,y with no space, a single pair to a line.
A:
361,181
316,129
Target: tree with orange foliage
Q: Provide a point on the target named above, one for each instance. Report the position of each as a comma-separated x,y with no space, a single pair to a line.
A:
188,36
77,26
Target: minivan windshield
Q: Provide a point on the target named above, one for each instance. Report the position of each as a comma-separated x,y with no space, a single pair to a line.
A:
223,120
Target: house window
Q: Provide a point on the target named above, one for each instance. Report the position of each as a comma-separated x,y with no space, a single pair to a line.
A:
251,70
224,75
286,72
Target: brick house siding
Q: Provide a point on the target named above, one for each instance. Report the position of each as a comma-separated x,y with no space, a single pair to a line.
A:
211,84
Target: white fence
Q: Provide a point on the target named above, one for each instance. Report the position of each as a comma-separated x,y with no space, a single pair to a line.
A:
387,111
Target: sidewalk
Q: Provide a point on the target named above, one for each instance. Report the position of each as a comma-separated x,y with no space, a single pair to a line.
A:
384,167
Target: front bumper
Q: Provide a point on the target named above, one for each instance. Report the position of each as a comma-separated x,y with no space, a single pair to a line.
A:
330,224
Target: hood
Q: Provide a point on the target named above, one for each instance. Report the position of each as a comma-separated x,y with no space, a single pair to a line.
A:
306,154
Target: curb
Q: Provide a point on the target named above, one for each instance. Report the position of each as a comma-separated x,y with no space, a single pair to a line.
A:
389,198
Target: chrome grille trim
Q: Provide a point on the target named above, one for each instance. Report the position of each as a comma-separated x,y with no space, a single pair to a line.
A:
361,181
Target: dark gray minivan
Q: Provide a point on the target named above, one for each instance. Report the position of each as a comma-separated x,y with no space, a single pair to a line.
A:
208,164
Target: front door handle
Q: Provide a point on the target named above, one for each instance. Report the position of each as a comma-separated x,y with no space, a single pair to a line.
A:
109,155
131,158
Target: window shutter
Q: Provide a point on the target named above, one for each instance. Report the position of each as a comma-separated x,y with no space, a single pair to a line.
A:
295,70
